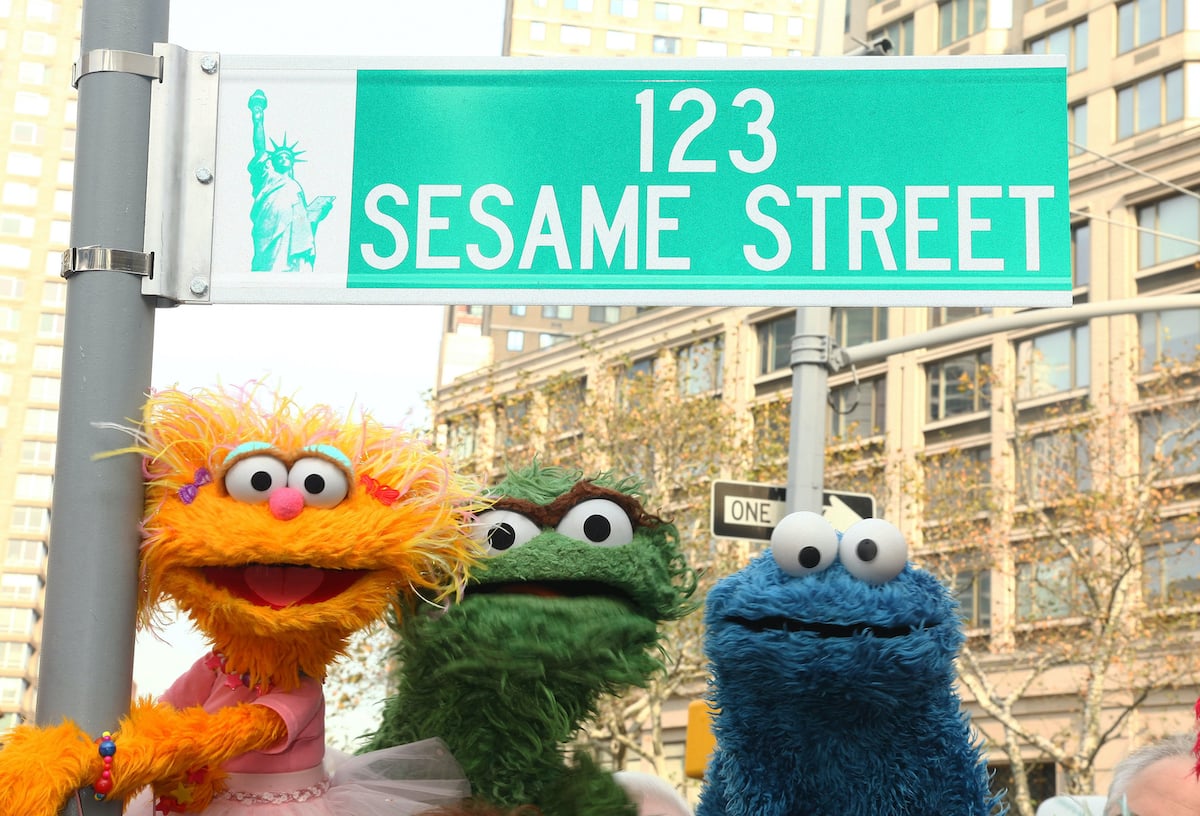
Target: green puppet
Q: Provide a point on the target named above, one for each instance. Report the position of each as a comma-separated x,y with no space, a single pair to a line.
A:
565,609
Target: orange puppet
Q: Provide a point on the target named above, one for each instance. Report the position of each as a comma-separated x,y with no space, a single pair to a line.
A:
280,531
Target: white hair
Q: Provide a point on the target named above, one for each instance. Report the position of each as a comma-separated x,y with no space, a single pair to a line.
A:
1178,745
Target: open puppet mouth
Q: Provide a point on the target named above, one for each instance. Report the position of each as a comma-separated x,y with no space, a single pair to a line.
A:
282,585
778,623
549,589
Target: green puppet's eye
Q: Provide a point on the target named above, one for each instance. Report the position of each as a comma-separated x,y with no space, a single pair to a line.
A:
501,530
597,521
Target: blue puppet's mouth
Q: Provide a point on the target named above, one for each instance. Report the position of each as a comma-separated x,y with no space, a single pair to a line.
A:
778,623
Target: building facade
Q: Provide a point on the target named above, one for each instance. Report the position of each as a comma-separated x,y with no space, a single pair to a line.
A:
40,41
999,414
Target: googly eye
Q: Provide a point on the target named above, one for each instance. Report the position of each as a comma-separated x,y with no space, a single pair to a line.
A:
873,550
323,483
803,543
252,479
597,521
501,530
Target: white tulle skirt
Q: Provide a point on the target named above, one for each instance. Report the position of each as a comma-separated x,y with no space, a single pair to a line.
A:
398,781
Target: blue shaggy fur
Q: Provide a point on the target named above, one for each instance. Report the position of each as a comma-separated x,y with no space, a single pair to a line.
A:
835,697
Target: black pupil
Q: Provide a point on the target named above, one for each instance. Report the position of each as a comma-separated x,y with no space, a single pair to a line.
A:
597,528
810,557
314,483
261,481
502,536
867,549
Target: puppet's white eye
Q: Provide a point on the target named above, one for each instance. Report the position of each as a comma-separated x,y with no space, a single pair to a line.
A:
501,530
252,479
873,550
803,543
597,521
323,483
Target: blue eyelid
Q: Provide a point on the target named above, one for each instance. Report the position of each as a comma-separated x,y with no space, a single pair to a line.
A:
333,453
244,448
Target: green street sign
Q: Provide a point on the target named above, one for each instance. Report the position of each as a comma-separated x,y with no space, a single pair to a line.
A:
847,181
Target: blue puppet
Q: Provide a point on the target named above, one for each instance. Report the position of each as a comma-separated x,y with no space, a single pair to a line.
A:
833,678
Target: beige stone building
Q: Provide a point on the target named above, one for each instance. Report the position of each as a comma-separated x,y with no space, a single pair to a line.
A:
1132,90
39,40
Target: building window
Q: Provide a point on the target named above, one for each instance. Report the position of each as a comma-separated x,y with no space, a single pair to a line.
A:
577,5
775,343
710,48
1169,441
1053,363
699,367
620,40
1052,465
54,293
1144,21
668,12
25,552
958,386
1169,335
563,408
1177,217
31,73
1171,570
857,409
42,421
12,689
516,311
8,351
941,315
37,452
1070,41
45,389
623,8
12,287
758,22
714,17
20,587
1150,102
857,325
34,486
36,519
515,340
548,339
574,35
604,314
956,482
17,621
51,325
558,312
460,438
756,51
26,133
666,45
10,319
537,31
795,26
1047,587
959,19
47,358
15,656
627,382
899,33
1081,254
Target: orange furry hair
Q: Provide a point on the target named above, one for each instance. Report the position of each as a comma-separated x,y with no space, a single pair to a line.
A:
182,432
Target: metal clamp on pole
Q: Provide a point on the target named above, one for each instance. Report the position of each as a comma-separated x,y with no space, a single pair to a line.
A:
97,259
111,59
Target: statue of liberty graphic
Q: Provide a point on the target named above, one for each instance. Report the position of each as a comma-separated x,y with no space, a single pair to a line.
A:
283,221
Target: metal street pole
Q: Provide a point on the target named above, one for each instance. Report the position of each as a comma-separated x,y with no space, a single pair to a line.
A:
88,632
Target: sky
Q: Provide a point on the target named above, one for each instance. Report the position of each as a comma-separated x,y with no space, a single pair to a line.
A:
381,358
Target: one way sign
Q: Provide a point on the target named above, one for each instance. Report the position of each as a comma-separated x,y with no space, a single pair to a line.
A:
750,510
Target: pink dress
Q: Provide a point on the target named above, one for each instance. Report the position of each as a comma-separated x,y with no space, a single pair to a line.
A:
294,776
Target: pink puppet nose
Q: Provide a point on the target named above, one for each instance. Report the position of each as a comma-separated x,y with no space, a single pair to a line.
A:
286,503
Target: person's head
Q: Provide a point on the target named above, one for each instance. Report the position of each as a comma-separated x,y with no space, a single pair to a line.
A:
1158,779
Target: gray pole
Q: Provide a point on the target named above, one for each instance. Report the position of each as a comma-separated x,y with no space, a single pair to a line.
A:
810,390
88,632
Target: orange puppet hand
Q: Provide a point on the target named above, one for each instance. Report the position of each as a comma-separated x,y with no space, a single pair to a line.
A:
41,767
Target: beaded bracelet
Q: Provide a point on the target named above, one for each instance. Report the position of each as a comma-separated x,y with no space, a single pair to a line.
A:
107,748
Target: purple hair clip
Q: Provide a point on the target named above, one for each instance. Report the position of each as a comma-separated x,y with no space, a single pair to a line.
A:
187,493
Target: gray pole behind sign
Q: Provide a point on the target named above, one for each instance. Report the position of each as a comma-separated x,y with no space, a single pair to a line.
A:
88,632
